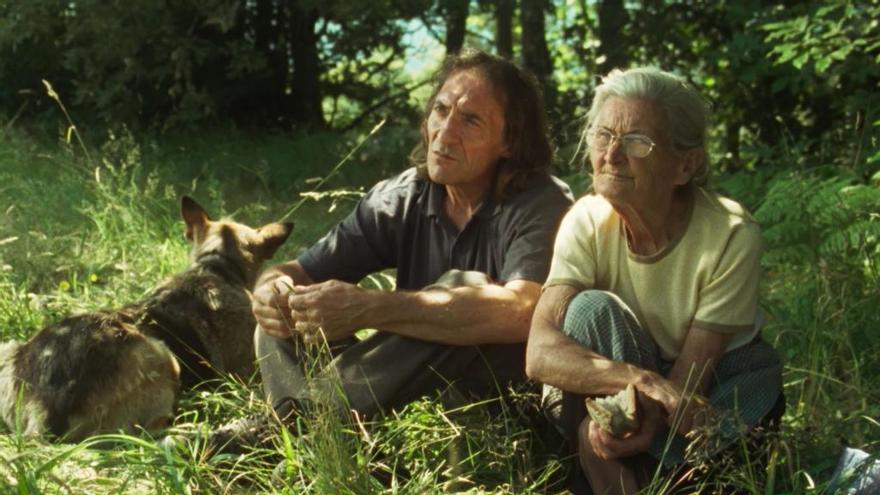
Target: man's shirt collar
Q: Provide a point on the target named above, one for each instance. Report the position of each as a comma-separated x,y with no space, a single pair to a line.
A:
435,194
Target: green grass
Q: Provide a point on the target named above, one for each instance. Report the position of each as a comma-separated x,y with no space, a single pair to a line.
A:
78,235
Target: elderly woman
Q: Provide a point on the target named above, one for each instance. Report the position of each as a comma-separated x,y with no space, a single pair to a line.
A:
654,282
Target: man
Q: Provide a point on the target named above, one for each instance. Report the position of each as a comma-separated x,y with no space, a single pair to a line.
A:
480,198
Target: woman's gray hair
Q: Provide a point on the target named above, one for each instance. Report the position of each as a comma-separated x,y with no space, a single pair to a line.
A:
687,112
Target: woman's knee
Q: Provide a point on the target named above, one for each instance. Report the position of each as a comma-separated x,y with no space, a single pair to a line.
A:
590,304
604,323
587,308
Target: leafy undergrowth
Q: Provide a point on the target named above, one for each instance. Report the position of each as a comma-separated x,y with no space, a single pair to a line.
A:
78,235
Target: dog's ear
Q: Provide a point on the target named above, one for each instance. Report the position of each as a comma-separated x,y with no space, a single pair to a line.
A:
194,216
272,236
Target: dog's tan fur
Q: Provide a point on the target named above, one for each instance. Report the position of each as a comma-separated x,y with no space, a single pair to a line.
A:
145,397
117,370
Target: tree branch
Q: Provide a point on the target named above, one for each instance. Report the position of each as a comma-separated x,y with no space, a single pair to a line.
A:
381,103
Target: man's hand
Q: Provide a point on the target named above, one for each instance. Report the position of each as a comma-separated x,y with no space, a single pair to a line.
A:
331,307
606,446
270,306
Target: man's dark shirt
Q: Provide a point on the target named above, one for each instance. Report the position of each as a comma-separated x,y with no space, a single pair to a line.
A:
401,224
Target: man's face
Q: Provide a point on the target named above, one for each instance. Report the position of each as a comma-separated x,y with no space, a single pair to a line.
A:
465,133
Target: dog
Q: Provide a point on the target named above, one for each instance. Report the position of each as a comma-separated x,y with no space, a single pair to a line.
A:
124,369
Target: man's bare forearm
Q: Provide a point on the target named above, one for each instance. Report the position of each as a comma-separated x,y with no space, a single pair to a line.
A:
457,316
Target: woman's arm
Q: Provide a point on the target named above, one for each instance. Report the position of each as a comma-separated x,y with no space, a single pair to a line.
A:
692,374
555,359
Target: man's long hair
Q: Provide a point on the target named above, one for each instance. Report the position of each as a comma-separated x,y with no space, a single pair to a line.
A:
525,123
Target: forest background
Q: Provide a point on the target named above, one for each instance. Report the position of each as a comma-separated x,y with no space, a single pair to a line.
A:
110,110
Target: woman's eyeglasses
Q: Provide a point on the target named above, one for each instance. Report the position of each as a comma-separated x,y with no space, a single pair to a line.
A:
634,145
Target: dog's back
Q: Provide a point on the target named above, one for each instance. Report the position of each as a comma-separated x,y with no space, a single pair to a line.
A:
204,316
91,372
110,370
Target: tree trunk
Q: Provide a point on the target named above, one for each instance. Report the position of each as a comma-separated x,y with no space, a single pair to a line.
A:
264,101
456,14
612,42
536,56
304,87
504,27
732,143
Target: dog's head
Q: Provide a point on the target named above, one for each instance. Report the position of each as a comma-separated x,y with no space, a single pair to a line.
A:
237,242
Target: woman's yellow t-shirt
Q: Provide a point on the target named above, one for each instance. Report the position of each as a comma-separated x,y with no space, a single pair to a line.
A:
707,278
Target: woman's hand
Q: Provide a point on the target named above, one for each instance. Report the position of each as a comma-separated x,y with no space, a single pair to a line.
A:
608,447
682,411
663,391
270,308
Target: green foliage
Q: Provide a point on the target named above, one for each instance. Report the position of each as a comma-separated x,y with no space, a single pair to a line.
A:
363,58
799,78
821,272
835,46
833,39
28,35
830,221
148,63
136,62
93,225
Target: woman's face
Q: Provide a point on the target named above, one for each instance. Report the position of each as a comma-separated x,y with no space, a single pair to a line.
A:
628,181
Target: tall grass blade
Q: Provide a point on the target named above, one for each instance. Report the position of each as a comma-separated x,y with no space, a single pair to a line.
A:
335,169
